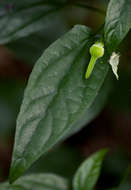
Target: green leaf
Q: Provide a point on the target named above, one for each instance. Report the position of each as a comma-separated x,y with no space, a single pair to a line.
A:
96,106
32,46
56,97
37,182
19,19
118,22
88,173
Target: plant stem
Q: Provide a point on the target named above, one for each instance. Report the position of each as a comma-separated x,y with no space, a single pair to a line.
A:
89,7
90,67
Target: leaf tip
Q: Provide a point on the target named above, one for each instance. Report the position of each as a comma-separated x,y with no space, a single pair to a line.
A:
104,151
16,170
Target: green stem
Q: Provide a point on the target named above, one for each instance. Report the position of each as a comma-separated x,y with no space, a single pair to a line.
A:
90,66
89,7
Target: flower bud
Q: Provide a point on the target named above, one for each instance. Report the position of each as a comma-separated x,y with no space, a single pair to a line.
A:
97,50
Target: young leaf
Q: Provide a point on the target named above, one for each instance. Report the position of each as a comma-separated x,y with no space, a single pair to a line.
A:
88,173
21,18
56,97
37,182
118,22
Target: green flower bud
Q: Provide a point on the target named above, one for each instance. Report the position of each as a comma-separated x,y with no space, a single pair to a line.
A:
96,51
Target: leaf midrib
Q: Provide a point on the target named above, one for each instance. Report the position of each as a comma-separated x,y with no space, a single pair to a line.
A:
52,101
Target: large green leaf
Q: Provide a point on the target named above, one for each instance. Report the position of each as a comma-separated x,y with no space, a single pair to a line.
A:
37,182
118,22
21,18
96,106
88,173
56,97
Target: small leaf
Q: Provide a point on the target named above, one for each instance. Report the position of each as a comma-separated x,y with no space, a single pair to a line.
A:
88,173
118,22
21,18
37,182
56,97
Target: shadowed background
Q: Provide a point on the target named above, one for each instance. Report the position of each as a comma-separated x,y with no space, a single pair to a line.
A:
111,128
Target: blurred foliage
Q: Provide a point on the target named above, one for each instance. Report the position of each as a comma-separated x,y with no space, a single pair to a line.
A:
31,47
64,160
114,168
10,99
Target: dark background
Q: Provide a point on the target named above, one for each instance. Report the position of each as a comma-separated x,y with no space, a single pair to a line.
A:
111,128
